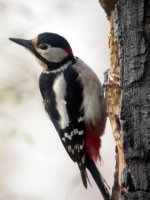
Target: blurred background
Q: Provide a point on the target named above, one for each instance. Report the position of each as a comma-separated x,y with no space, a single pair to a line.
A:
33,162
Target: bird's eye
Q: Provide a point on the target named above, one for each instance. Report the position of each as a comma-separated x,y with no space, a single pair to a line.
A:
43,46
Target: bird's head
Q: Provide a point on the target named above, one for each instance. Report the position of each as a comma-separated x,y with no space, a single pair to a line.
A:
51,50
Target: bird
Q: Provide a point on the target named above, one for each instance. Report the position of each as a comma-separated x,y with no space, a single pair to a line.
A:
74,99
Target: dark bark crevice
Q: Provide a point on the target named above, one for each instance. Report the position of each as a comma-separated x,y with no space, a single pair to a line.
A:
132,28
130,58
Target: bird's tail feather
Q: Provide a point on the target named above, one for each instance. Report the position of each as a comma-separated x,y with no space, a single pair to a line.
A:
100,181
85,178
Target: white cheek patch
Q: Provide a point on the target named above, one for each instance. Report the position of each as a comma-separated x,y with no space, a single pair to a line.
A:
53,54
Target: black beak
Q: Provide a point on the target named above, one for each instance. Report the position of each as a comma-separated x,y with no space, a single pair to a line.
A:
25,43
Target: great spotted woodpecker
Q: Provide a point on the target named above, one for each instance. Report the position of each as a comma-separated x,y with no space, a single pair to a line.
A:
73,98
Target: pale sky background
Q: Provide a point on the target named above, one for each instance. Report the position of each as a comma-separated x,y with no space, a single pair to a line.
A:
33,162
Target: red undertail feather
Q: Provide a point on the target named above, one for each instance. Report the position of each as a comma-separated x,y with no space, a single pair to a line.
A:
93,144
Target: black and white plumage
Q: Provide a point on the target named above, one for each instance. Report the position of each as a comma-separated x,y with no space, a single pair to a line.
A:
73,98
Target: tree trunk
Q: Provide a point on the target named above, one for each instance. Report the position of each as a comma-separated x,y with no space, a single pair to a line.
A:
131,23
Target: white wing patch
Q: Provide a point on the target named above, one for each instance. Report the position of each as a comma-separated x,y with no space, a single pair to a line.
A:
59,88
69,136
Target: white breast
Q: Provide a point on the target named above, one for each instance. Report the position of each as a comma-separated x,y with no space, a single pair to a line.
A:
92,88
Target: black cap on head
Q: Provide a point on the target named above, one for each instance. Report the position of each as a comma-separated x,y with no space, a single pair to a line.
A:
53,39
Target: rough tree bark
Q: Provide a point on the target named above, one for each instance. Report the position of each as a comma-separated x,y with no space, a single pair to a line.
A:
130,22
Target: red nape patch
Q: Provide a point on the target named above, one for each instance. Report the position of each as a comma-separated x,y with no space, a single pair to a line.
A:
69,51
93,144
